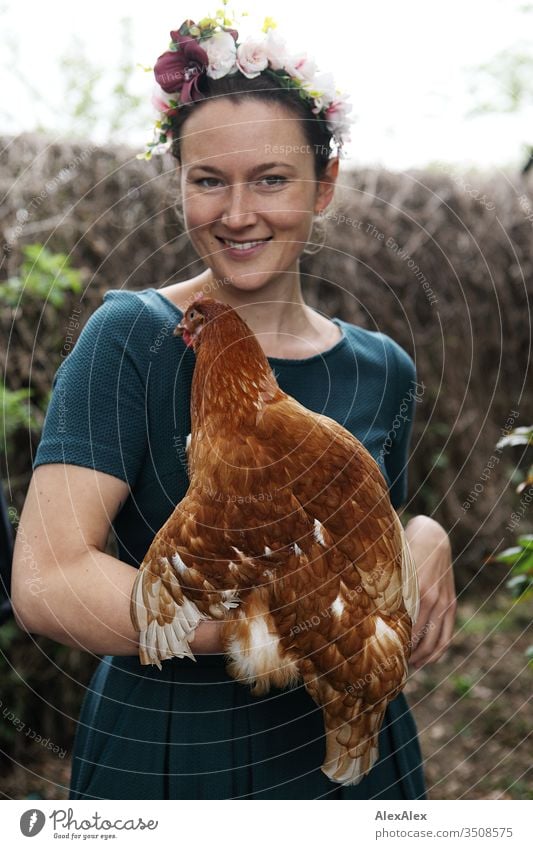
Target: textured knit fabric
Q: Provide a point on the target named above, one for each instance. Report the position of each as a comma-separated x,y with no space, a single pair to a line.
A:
121,405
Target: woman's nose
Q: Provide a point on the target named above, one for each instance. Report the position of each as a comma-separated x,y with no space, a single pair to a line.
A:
239,206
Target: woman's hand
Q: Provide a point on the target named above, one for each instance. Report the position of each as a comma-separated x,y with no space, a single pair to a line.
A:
431,550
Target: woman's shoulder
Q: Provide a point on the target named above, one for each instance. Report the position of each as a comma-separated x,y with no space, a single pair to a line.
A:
379,348
130,316
142,302
124,329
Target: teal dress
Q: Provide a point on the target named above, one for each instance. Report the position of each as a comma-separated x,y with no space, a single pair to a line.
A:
120,404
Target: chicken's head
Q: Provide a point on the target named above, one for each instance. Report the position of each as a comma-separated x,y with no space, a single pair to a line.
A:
192,323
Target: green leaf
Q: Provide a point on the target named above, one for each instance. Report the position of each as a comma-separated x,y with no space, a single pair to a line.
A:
509,555
526,541
17,410
524,565
519,585
440,460
8,632
43,275
462,684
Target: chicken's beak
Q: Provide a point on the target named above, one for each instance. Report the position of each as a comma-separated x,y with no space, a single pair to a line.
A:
183,329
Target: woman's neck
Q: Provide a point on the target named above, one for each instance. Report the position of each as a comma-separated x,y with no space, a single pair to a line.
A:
277,314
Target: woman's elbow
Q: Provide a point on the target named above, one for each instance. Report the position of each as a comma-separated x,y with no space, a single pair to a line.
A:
22,610
27,601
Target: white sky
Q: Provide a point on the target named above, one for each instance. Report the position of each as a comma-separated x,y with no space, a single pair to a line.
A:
405,65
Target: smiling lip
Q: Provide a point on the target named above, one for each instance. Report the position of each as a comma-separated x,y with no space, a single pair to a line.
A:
256,245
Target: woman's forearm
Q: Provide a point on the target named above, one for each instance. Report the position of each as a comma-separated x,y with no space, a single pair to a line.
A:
431,550
207,638
86,605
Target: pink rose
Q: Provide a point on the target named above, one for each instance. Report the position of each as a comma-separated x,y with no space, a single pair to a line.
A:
301,67
252,57
336,116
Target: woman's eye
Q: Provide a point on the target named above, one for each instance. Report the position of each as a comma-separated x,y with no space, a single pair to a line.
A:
270,180
203,180
276,177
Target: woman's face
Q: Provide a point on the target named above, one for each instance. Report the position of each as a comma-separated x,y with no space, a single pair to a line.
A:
247,176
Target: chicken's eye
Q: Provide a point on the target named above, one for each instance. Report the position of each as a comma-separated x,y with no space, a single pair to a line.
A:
192,313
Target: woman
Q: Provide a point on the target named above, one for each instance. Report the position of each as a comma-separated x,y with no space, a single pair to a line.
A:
255,166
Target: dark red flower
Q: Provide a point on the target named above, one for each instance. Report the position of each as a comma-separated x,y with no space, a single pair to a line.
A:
179,70
182,34
176,34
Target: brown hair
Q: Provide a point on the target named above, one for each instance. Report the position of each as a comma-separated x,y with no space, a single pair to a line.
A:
263,87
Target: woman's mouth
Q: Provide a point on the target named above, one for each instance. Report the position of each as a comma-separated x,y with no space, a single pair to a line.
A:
244,249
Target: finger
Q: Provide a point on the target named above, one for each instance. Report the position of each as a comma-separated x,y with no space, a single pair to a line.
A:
449,623
430,633
444,637
417,652
440,652
429,642
419,628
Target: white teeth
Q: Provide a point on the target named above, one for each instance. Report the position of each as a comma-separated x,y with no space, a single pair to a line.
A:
243,246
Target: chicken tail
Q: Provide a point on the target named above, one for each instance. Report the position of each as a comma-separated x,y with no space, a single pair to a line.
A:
163,616
352,749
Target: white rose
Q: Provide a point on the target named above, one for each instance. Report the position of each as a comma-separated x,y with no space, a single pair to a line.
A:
301,67
252,57
221,52
324,87
276,50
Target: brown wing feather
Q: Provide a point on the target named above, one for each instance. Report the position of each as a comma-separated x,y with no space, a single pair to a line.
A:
338,482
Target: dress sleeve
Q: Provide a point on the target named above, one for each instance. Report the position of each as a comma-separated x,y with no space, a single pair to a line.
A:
96,414
407,393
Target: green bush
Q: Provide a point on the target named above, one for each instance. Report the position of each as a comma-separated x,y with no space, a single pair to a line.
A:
520,556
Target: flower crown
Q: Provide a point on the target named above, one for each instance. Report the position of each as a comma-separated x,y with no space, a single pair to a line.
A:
211,49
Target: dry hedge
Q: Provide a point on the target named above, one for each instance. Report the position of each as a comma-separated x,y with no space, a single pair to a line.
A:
439,260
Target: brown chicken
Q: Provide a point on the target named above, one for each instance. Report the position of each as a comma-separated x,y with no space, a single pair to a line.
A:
286,533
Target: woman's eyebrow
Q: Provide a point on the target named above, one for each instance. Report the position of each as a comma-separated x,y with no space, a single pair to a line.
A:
262,167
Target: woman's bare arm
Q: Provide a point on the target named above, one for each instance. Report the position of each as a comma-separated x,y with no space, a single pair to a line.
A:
64,585
433,631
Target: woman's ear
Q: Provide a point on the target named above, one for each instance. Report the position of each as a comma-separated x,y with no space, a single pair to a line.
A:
326,185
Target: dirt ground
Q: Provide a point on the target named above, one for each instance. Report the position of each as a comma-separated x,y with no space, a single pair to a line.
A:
472,710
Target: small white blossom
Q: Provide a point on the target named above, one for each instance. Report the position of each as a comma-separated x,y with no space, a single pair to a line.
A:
322,88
